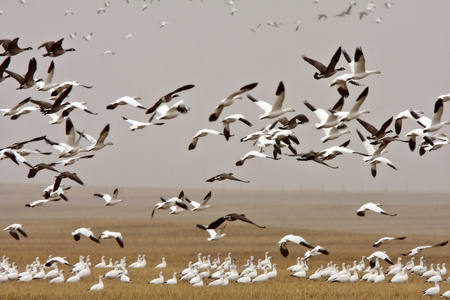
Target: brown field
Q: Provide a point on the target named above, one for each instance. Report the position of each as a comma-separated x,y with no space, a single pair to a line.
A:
321,218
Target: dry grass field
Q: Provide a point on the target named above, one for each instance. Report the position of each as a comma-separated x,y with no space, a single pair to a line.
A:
321,218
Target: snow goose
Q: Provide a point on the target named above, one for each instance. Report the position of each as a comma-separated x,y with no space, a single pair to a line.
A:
334,132
71,147
358,65
421,248
333,151
325,71
12,48
172,280
380,277
59,278
54,49
375,207
200,206
113,273
229,100
169,97
97,144
27,81
434,124
165,112
213,234
400,277
99,286
273,273
56,260
158,280
202,133
102,263
326,119
166,204
282,243
113,235
161,265
354,112
138,124
229,217
126,100
275,110
86,232
406,114
88,37
374,258
60,88
231,119
48,84
14,156
13,230
341,83
41,202
387,239
222,281
110,200
72,160
261,277
318,250
253,154
432,291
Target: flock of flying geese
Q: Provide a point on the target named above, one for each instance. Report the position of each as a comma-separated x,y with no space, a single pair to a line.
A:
277,135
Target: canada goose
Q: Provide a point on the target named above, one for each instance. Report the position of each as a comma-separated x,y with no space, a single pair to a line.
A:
275,110
86,232
70,175
11,47
376,133
3,67
230,100
55,49
168,97
229,217
16,108
28,81
325,71
224,176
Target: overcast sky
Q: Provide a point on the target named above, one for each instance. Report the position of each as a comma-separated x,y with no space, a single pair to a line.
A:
203,44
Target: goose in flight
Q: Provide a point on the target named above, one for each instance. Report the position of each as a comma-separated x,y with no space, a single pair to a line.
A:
71,147
165,112
88,37
327,119
15,109
70,175
325,71
200,206
358,65
341,83
213,234
224,176
110,200
374,258
230,100
174,201
253,154
290,123
231,119
11,47
13,230
55,49
375,207
14,156
56,260
406,114
48,84
97,144
229,217
41,202
421,248
57,105
354,112
27,81
139,125
434,124
318,250
86,232
275,110
169,97
282,243
39,167
126,100
202,133
387,239
72,160
113,235
56,91
334,132
3,67
376,133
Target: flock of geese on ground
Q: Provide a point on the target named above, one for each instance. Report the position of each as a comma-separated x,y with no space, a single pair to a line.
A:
277,135
205,272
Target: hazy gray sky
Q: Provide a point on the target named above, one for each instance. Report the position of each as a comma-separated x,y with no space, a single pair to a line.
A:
205,45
